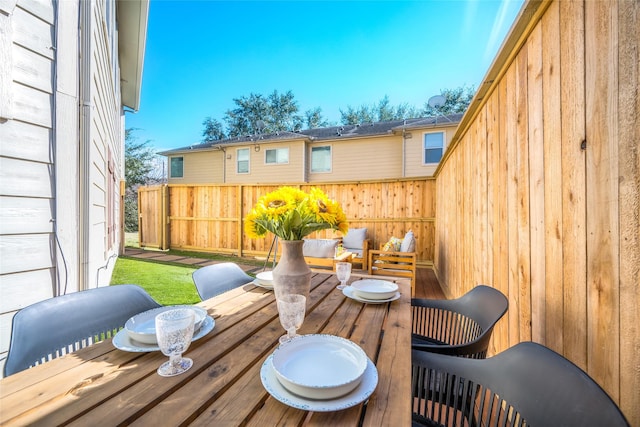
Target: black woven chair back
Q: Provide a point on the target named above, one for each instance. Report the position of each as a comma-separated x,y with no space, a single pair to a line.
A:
527,384
458,327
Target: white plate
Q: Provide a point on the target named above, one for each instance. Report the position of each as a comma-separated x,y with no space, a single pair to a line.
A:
366,387
374,289
142,326
319,366
257,283
123,341
348,291
265,278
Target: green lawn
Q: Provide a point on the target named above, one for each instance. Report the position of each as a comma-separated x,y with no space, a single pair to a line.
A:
169,284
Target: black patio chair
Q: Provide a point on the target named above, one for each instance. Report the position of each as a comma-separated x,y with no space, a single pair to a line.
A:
458,327
215,279
51,328
528,384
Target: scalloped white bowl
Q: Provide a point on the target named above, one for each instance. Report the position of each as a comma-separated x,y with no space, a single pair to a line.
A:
142,326
265,278
319,366
374,288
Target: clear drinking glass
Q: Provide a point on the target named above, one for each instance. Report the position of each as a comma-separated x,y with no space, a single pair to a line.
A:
343,271
291,309
174,330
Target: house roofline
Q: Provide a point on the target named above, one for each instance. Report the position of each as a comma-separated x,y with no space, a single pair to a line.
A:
132,19
327,134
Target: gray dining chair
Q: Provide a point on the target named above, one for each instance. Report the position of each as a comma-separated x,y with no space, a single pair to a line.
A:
215,279
527,384
51,328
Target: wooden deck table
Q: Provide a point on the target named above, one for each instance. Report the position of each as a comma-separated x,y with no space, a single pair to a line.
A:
101,385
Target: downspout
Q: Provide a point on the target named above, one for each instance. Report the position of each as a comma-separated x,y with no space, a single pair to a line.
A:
84,172
224,164
57,288
404,152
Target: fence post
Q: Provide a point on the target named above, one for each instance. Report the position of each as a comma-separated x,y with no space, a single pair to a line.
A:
164,218
240,229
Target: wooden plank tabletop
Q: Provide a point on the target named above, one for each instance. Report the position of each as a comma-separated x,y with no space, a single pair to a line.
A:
101,385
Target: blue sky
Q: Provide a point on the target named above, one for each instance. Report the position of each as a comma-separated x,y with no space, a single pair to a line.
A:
200,55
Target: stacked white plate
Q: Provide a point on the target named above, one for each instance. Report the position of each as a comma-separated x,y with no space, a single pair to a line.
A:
319,366
265,279
373,289
319,373
142,327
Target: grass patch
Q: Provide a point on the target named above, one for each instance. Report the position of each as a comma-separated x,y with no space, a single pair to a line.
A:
169,284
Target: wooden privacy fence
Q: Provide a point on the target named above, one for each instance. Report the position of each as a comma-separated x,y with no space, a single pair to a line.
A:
209,218
538,193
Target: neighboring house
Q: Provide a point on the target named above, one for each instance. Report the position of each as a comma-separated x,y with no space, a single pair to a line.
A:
67,71
383,150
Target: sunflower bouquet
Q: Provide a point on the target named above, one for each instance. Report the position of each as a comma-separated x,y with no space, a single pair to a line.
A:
292,214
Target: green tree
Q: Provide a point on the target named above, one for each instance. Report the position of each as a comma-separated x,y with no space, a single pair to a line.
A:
314,119
456,101
380,112
213,130
140,168
263,114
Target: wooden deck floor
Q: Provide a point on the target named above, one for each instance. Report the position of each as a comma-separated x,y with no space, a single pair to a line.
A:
427,285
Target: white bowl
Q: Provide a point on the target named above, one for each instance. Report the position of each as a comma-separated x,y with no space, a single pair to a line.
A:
265,278
142,327
319,366
374,289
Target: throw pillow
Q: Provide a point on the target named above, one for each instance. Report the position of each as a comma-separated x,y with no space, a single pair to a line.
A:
408,243
355,238
319,248
393,245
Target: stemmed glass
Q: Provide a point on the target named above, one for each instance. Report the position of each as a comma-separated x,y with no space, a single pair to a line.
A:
291,309
343,271
174,330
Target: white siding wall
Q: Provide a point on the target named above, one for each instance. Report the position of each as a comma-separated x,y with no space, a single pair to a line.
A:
106,143
27,255
39,167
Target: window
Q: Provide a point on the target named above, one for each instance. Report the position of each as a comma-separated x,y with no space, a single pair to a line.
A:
433,145
277,155
243,160
177,167
321,159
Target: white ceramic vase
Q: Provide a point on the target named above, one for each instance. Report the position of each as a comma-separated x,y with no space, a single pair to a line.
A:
291,275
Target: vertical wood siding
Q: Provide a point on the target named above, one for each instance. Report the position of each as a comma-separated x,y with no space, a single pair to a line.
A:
539,196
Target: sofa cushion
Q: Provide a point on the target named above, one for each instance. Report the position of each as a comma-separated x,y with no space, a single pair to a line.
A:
319,248
355,238
408,243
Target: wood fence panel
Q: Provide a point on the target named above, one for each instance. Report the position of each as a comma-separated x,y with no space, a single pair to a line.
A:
553,284
150,216
602,194
558,127
536,183
574,209
210,218
629,199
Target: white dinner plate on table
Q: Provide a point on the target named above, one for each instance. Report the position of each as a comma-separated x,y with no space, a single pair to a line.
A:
142,327
361,393
260,284
123,341
349,292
